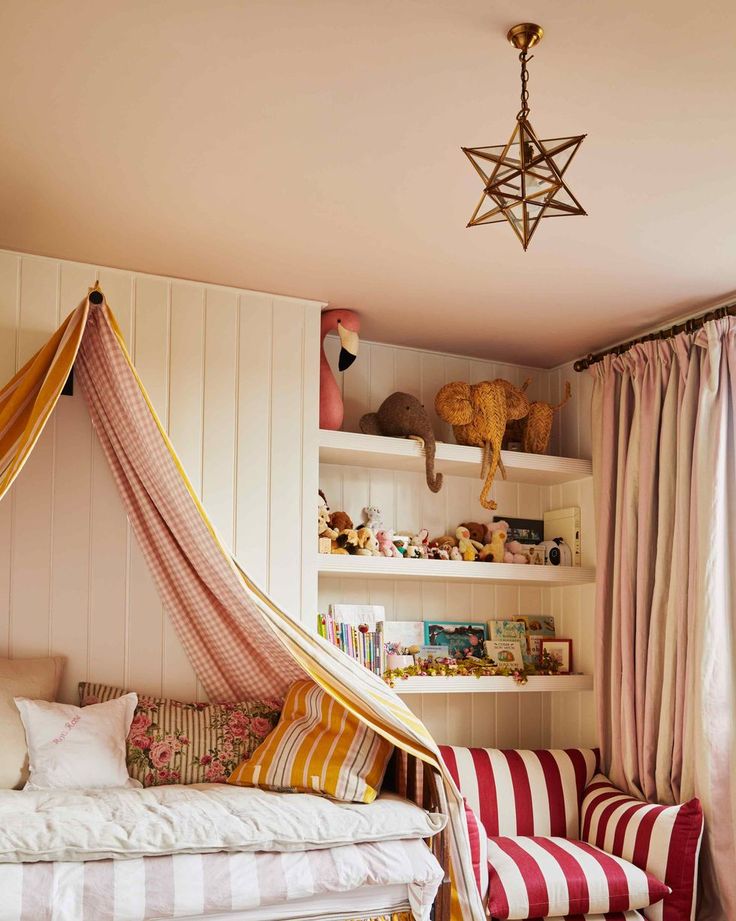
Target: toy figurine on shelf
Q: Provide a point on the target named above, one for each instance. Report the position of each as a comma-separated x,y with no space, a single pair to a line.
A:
386,545
468,547
372,518
495,548
325,533
367,543
419,544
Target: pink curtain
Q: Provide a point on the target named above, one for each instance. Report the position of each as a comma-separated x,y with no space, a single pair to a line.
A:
664,447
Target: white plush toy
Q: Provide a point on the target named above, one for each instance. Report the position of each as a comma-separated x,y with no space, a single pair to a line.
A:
372,518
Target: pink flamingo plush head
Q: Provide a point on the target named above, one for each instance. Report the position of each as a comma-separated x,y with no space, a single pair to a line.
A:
347,325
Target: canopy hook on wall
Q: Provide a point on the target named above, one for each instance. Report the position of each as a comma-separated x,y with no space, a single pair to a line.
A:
96,297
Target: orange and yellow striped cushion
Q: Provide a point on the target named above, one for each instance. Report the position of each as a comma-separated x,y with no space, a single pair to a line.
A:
317,747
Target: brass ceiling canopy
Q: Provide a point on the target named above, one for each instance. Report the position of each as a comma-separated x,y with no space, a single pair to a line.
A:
523,179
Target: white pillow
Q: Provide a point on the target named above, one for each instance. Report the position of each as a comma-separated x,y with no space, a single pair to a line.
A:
77,747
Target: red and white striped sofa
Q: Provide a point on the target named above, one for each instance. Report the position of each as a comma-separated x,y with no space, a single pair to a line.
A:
552,837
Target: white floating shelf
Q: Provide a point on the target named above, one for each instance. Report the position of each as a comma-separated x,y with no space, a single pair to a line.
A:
381,567
357,450
466,684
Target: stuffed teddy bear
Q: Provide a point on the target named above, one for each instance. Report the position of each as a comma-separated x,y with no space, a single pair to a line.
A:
341,521
372,518
476,529
455,553
386,545
468,548
420,542
438,553
516,553
367,543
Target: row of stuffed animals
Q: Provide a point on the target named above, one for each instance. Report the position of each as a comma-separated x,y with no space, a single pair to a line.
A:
471,541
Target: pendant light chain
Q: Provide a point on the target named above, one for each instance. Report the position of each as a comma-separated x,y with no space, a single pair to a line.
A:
524,111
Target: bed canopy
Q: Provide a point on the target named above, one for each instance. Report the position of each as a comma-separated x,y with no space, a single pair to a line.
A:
222,617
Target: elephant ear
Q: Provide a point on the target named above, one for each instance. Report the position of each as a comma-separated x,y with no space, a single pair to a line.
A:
517,402
453,403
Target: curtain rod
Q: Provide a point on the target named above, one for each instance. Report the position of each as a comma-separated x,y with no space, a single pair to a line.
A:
689,326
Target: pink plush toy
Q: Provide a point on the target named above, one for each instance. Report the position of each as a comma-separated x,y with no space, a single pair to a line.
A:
514,553
386,545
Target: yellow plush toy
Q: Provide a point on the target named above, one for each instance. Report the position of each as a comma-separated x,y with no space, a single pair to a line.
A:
494,551
468,548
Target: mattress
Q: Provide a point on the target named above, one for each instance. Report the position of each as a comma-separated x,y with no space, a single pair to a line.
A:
368,902
324,883
78,825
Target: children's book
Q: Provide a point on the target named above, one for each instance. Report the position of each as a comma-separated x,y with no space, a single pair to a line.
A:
404,633
505,652
462,639
514,630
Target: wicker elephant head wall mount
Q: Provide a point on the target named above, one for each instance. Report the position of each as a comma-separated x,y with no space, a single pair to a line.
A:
479,414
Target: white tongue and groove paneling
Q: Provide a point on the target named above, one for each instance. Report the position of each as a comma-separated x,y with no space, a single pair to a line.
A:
226,371
504,720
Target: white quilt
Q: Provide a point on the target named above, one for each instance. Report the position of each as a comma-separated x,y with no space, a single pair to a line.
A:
61,825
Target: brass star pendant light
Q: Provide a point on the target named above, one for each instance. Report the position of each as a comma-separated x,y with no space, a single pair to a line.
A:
523,180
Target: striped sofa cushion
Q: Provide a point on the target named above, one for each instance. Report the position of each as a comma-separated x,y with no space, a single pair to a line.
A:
523,792
664,840
478,849
171,741
532,876
598,916
318,747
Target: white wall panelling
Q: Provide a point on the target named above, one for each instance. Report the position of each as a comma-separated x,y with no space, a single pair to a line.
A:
232,375
512,720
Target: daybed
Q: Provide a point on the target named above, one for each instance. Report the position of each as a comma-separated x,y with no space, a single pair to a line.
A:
212,850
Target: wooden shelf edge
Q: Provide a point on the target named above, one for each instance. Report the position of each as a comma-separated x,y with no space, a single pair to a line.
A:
493,685
358,450
360,567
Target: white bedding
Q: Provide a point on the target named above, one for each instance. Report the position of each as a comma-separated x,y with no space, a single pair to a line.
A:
56,825
361,880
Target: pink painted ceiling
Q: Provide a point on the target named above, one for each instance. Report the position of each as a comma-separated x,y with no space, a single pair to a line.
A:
312,147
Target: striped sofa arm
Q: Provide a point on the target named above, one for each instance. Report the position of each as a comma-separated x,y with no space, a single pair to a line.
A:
518,792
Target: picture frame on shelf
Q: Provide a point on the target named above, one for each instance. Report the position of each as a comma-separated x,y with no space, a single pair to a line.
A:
525,530
461,637
560,650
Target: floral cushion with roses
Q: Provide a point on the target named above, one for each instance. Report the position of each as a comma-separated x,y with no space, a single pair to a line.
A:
172,742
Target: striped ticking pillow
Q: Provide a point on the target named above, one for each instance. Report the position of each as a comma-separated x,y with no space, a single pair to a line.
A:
664,840
478,849
184,743
318,747
533,877
523,792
